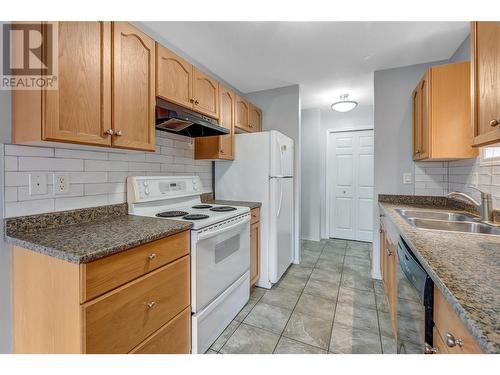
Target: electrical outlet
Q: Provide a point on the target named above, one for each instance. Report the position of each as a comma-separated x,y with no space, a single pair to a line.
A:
406,178
38,183
61,183
475,179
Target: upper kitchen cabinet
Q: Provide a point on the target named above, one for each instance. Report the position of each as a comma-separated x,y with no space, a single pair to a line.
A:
485,82
79,111
254,118
181,83
242,114
174,77
222,146
205,94
133,88
441,114
105,94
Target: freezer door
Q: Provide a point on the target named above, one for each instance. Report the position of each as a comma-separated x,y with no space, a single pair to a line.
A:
281,154
281,227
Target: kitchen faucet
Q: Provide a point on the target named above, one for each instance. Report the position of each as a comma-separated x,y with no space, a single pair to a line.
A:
485,207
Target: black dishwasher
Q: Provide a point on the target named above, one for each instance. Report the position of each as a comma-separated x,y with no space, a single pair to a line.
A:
414,304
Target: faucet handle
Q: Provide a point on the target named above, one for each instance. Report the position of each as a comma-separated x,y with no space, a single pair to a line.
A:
484,194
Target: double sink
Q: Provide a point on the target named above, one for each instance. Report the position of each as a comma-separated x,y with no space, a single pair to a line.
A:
447,221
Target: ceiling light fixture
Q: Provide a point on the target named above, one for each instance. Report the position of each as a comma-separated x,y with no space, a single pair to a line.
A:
344,105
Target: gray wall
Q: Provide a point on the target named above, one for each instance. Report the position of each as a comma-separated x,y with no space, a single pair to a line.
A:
281,111
462,53
393,136
311,174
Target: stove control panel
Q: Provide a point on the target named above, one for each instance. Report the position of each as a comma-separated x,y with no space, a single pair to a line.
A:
150,188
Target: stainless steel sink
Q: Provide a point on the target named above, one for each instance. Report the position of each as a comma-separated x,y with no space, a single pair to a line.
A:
435,215
454,226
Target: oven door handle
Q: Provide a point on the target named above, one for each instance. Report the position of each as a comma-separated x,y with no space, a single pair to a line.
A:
205,235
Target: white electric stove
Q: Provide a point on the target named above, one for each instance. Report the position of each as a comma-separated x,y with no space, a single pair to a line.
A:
220,248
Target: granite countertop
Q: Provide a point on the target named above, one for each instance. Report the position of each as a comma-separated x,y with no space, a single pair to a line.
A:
465,267
82,240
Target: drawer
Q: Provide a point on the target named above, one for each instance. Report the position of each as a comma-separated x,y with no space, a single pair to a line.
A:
107,273
173,338
439,344
255,215
447,322
120,320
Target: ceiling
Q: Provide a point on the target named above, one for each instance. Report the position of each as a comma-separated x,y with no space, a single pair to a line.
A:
327,59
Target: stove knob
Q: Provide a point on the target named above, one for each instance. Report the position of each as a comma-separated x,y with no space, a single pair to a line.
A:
145,183
146,191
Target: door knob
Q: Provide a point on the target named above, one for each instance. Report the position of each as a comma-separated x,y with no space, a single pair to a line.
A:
494,122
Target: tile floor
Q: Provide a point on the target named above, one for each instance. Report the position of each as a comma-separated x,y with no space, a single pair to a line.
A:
327,304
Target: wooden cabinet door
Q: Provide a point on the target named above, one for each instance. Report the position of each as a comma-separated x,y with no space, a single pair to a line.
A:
80,110
227,119
417,123
254,118
254,253
205,94
242,114
174,77
485,82
133,88
425,132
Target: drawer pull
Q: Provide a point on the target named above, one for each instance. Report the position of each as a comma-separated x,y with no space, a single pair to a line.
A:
151,305
430,349
151,256
494,123
451,341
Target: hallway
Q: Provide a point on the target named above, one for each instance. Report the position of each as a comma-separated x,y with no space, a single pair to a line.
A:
327,304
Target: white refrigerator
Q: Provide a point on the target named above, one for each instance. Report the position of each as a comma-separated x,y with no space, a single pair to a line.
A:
262,171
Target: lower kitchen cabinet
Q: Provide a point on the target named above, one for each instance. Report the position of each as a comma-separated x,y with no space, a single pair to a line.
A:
388,265
135,301
254,247
450,334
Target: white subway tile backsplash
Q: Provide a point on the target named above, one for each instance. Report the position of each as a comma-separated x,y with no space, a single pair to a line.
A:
87,177
62,204
51,164
10,194
10,163
18,150
22,208
107,188
103,165
97,177
80,154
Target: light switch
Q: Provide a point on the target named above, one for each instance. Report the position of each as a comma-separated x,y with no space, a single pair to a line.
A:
406,178
38,183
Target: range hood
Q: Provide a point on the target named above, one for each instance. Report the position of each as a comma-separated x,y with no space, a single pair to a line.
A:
179,120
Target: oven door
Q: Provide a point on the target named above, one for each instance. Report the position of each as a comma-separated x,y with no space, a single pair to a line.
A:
220,255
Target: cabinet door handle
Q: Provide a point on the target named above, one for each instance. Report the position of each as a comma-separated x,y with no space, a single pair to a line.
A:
221,151
451,341
196,102
118,133
151,256
494,122
389,252
109,131
191,100
151,305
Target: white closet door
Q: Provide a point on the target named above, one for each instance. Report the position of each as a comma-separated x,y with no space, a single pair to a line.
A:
350,174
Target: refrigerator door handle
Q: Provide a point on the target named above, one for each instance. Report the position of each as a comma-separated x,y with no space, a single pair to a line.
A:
280,176
281,198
